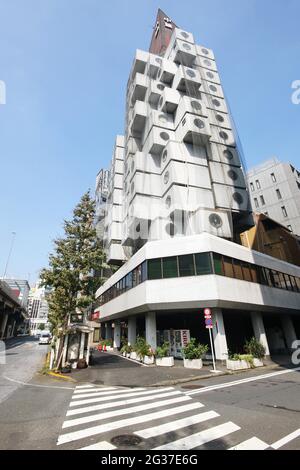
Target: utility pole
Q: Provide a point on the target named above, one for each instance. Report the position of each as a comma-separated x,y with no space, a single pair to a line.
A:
9,253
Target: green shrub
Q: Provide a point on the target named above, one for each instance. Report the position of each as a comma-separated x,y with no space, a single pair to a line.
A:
142,348
163,351
255,348
194,350
126,348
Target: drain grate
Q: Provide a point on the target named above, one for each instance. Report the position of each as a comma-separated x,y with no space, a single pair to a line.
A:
191,387
127,440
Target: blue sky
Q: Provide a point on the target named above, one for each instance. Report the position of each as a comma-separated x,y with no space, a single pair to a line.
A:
66,63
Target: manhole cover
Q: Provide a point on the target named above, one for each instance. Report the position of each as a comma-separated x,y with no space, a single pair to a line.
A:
98,382
191,387
126,440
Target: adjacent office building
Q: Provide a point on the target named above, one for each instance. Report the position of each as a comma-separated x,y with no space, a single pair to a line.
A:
274,188
38,309
176,206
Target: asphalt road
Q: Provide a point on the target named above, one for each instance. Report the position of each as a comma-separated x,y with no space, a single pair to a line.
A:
255,410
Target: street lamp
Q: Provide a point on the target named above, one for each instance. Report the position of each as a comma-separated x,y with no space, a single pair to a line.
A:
10,251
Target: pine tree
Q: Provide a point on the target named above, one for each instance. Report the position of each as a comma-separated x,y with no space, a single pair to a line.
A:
73,266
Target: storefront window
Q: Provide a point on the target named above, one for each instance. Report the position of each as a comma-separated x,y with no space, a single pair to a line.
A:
170,268
186,265
203,264
154,269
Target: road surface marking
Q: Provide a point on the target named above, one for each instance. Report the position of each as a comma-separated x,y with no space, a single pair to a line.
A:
108,427
240,382
100,399
114,404
99,393
124,411
85,386
174,425
200,438
99,446
35,385
251,444
285,440
93,390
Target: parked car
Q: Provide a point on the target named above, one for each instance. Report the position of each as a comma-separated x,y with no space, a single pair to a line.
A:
45,338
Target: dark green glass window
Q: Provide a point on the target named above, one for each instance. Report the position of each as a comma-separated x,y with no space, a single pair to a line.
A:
170,267
186,265
144,271
203,264
218,264
154,269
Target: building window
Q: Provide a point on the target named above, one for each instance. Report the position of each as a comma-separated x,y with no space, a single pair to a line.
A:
228,267
262,200
186,265
278,194
203,264
170,268
257,184
154,269
284,212
273,177
252,186
96,336
218,265
256,202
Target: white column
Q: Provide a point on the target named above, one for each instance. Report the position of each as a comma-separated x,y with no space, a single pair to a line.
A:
81,350
4,323
150,324
219,335
259,330
131,331
289,331
108,331
117,334
64,356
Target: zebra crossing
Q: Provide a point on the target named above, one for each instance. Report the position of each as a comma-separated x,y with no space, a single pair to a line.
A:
158,419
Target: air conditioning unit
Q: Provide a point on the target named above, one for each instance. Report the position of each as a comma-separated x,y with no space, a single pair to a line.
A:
227,174
185,174
212,102
153,66
183,35
138,89
219,119
223,154
185,52
187,80
222,136
167,71
188,199
205,52
190,105
169,100
157,139
159,119
206,63
212,89
194,129
181,152
139,116
215,222
231,198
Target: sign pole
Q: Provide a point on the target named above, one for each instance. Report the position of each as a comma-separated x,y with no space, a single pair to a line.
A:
212,350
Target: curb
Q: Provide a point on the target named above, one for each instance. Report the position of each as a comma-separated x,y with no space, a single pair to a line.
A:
61,376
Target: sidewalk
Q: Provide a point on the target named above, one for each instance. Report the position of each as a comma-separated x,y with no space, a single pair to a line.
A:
109,368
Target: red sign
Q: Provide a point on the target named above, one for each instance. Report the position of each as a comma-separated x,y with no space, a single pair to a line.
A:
207,311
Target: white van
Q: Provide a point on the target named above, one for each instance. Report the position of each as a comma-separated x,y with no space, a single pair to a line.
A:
45,338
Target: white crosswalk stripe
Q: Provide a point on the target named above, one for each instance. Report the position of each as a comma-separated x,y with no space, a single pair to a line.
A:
163,418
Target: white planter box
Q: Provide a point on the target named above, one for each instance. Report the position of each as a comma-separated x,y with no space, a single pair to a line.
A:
74,365
109,348
133,355
193,363
128,355
258,362
123,354
237,365
148,359
165,361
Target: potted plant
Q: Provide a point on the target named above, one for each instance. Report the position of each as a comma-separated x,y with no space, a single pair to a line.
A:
163,359
193,353
144,351
257,350
133,354
124,350
239,361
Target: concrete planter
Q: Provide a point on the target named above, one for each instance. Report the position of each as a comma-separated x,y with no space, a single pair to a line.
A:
133,355
128,355
165,361
148,359
74,365
237,365
124,354
109,348
258,362
193,363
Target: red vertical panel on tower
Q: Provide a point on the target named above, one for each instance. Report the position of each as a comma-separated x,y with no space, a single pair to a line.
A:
162,33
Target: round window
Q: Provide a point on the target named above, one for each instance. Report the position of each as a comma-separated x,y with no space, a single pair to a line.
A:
168,202
160,86
207,62
158,60
190,73
213,88
164,155
237,197
223,135
215,220
184,34
164,136
210,75
216,103
166,177
232,175
199,123
170,229
205,51
186,46
196,105
219,118
228,154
